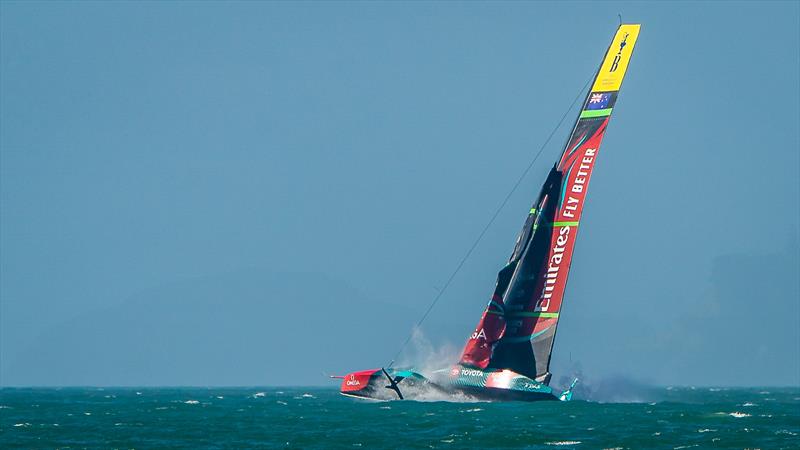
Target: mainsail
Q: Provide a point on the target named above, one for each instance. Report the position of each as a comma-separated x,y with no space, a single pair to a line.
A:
518,327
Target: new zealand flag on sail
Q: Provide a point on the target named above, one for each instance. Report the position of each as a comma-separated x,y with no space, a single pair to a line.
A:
600,100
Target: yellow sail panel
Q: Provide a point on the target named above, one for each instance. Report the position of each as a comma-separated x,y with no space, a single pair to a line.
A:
612,71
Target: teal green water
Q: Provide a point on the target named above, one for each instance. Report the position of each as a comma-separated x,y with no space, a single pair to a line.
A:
321,418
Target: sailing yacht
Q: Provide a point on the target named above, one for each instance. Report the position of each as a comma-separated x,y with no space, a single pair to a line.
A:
507,357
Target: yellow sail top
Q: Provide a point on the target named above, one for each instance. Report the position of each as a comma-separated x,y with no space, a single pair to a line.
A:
612,71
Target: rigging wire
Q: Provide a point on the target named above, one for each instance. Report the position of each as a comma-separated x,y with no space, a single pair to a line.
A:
491,221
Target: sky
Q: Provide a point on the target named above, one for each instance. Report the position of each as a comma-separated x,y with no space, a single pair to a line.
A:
263,193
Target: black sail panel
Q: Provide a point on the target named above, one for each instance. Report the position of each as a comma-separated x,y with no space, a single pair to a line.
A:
514,351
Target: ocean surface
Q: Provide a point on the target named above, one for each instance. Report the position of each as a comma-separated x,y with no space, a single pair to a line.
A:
672,418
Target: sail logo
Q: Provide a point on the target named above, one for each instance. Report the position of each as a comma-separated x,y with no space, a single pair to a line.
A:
353,381
618,56
579,183
478,334
553,266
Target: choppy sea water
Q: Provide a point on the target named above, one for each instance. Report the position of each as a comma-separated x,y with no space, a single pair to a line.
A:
320,418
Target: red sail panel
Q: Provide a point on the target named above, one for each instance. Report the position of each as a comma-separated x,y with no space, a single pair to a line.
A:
577,168
478,350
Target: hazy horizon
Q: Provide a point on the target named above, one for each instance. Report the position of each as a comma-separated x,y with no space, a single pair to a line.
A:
256,194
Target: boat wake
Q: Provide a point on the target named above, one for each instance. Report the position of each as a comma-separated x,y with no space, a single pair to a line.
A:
611,389
427,358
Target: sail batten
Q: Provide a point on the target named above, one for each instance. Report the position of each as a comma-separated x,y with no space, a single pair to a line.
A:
518,332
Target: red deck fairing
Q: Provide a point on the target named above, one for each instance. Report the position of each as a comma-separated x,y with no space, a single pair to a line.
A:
356,381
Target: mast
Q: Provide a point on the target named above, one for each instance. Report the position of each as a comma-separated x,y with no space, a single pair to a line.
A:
517,329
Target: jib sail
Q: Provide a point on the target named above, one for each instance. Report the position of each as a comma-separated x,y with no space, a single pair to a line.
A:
518,327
